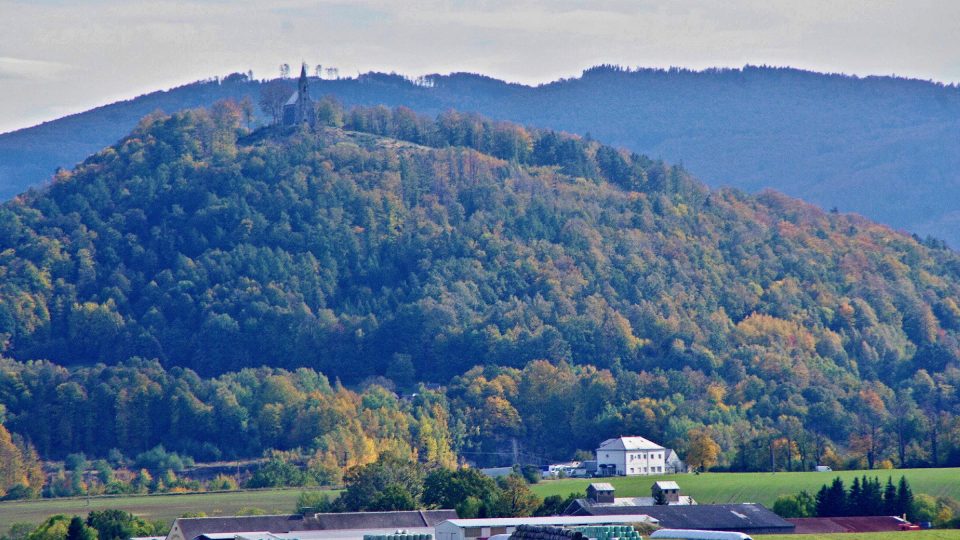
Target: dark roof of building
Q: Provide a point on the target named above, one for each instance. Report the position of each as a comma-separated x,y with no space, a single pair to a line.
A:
380,520
192,528
717,517
854,524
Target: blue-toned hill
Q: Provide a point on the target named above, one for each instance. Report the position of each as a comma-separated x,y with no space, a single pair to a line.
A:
884,147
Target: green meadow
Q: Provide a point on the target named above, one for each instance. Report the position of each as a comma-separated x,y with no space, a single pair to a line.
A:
763,488
153,507
706,488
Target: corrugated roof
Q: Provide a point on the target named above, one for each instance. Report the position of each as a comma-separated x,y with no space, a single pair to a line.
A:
630,443
565,521
667,485
191,528
380,520
335,535
852,524
719,517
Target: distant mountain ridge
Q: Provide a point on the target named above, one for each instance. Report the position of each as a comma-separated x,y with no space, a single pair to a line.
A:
884,147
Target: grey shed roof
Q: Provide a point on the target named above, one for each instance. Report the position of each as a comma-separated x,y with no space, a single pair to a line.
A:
191,528
716,517
667,485
601,486
380,520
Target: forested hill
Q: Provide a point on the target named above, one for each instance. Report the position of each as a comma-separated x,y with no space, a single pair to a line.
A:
459,242
389,244
884,147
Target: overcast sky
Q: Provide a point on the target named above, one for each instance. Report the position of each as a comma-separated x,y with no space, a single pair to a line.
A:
61,56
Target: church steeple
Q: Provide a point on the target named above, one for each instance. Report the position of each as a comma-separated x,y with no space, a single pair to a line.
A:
302,83
299,107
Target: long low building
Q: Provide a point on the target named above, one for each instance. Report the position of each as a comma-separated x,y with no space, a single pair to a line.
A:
340,525
746,518
472,529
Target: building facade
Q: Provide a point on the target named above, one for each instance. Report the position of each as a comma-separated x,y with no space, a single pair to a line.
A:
631,456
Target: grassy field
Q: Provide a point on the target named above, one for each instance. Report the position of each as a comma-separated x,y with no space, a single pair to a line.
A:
151,507
763,488
943,534
705,488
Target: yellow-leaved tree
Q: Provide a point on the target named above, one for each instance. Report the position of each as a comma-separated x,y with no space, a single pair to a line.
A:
702,451
19,467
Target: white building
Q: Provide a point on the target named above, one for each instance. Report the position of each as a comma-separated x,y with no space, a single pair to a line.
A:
556,470
472,529
631,456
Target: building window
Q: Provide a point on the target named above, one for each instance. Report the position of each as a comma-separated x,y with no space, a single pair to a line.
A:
498,530
472,532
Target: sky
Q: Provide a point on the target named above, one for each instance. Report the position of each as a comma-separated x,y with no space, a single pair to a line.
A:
59,57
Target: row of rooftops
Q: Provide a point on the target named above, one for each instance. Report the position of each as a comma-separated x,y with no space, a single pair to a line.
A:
732,517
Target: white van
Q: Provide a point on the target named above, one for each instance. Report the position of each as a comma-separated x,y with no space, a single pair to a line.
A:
693,534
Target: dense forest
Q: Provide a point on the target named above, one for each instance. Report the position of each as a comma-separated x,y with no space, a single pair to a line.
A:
555,291
885,147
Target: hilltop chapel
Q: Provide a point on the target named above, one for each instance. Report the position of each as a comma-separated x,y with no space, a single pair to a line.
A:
299,108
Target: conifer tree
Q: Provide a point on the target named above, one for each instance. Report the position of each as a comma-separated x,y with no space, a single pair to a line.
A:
904,499
890,498
78,530
855,499
872,497
832,501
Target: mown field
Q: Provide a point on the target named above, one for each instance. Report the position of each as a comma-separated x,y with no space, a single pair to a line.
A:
152,507
763,488
944,534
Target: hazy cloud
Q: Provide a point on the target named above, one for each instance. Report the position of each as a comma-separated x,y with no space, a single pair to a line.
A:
109,49
23,68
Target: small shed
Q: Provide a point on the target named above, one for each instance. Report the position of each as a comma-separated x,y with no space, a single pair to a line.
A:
670,491
601,492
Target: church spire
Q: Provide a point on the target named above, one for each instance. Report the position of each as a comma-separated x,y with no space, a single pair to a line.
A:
299,107
302,83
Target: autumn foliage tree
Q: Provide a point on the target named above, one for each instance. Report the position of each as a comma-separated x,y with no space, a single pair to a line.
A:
559,290
702,451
